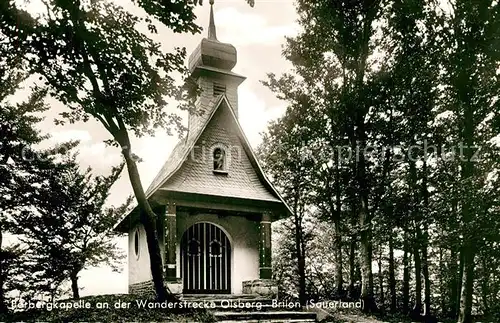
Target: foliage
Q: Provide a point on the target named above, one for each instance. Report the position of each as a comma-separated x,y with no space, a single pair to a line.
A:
21,164
70,227
288,164
396,103
96,59
11,264
19,135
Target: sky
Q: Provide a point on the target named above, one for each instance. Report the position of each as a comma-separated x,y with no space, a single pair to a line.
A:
258,34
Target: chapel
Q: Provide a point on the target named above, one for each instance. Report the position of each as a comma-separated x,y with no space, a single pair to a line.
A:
214,202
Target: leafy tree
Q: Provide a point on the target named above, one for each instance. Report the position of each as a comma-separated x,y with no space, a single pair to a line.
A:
335,71
470,62
413,97
11,262
24,170
70,228
416,81
288,162
100,63
19,137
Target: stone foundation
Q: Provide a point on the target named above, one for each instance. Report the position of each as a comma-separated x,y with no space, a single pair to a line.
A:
146,288
175,286
263,287
143,289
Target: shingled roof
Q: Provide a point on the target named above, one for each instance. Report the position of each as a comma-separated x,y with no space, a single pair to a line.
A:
183,148
171,177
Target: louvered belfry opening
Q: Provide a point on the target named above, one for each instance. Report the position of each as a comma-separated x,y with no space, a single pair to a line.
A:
219,88
210,67
206,260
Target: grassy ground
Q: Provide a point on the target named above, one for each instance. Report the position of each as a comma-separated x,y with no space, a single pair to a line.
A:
357,316
110,308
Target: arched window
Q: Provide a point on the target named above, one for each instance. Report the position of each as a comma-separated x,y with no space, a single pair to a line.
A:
136,243
219,159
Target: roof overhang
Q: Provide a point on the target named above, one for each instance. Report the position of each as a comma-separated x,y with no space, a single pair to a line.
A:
206,203
203,70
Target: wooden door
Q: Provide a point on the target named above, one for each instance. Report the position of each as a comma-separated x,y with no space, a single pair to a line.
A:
206,260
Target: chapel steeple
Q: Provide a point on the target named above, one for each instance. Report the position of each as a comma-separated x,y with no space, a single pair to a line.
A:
211,27
211,64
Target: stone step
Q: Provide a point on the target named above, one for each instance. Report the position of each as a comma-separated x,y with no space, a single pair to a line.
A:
222,296
272,321
263,316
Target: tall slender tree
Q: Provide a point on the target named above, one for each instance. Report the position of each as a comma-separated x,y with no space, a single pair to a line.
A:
419,79
287,159
470,64
341,62
97,60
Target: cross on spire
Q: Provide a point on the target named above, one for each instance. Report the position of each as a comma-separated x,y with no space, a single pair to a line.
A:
211,27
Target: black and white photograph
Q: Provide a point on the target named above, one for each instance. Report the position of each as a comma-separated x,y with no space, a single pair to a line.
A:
260,161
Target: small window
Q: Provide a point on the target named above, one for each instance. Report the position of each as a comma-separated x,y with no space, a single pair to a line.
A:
219,160
215,249
136,243
219,88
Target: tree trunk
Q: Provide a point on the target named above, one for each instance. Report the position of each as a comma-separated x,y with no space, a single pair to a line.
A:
365,260
392,275
74,285
465,315
454,284
459,282
415,217
381,279
353,242
360,111
424,241
417,308
406,274
442,283
339,282
468,248
3,306
465,90
301,263
148,219
338,231
425,272
485,290
352,268
365,227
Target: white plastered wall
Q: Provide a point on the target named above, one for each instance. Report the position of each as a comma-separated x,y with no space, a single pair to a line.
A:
138,264
243,235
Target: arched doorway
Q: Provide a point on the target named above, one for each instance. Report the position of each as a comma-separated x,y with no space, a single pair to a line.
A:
205,260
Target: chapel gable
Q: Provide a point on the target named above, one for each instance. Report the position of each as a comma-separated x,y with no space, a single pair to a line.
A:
219,164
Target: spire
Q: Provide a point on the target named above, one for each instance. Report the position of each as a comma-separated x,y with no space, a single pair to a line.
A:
211,27
211,53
